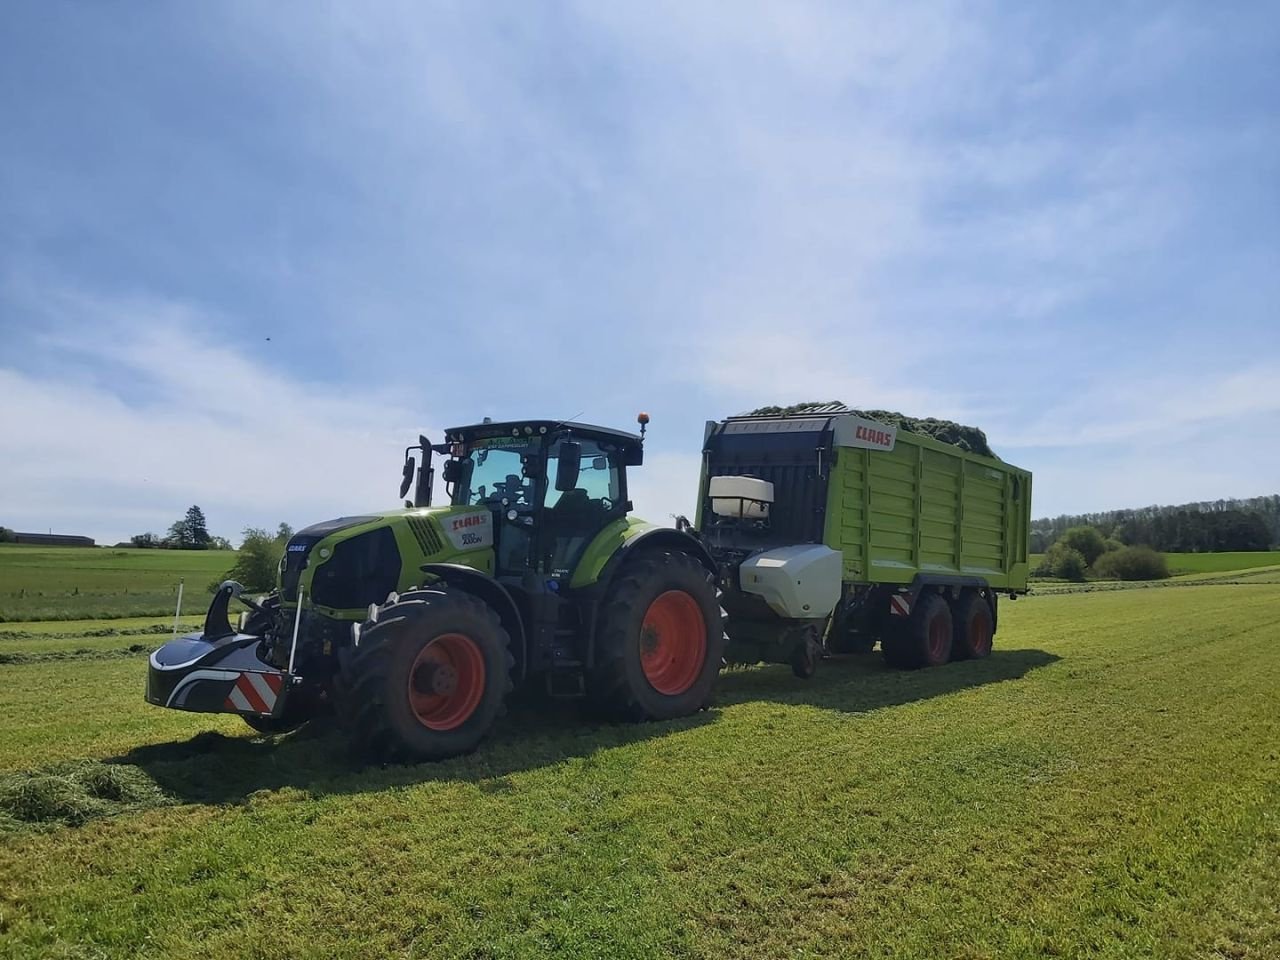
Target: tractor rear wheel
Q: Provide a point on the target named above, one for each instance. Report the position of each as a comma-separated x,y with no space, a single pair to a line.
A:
923,639
973,627
660,643
427,677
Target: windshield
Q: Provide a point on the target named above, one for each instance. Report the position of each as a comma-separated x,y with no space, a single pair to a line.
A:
494,471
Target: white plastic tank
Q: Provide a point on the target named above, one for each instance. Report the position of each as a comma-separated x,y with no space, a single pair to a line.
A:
741,497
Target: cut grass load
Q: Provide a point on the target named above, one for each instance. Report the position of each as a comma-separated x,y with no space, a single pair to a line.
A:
1106,784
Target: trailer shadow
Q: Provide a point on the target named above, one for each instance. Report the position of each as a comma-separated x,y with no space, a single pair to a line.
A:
211,768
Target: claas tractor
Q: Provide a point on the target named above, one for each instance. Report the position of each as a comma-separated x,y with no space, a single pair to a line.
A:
414,624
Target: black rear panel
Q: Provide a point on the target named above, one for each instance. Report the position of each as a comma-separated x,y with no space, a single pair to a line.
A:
795,456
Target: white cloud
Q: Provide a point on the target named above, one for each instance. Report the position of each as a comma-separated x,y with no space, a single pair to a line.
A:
171,417
973,213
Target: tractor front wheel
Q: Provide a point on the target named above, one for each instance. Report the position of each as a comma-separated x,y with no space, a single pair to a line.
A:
660,641
427,678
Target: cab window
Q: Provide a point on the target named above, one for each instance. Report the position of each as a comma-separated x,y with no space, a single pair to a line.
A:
598,482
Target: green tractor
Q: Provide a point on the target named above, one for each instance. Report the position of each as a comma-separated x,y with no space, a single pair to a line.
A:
415,624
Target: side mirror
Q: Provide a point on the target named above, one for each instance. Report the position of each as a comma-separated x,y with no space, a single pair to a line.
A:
568,465
406,480
452,472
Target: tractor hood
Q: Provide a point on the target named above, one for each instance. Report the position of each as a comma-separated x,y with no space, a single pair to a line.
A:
348,563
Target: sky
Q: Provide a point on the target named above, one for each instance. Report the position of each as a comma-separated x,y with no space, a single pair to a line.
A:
248,251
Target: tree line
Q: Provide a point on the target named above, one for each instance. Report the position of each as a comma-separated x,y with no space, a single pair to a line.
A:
191,532
1209,526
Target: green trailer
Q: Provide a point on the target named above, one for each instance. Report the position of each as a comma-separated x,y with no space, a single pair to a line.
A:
833,532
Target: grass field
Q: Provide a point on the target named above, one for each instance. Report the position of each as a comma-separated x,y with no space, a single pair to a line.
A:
1220,562
1106,784
75,583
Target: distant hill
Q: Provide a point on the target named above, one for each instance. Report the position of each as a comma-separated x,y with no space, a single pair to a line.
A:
1207,526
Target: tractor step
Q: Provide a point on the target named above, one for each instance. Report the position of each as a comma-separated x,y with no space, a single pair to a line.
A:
570,684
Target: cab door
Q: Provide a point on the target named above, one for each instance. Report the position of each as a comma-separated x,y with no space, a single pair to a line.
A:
570,519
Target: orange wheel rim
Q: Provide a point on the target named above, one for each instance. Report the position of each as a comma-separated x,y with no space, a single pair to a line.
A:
937,637
980,635
446,682
673,642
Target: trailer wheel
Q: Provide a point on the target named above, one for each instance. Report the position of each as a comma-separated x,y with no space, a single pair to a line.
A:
660,642
923,639
427,678
973,628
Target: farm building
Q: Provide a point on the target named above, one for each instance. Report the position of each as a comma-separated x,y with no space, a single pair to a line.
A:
52,540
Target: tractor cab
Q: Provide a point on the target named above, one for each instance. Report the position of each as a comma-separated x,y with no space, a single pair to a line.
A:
551,486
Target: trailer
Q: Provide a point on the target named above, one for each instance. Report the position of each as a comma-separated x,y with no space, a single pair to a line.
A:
833,533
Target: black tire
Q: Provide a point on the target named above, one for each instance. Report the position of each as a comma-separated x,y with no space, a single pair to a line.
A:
974,627
683,644
922,639
381,681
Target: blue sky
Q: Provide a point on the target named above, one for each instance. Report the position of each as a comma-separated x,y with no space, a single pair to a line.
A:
1060,222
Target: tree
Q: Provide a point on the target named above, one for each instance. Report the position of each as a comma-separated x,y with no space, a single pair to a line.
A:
6,535
189,533
177,538
220,543
145,540
258,561
284,533
197,529
1087,540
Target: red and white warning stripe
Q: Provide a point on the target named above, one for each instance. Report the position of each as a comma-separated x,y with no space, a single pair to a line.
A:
899,605
254,693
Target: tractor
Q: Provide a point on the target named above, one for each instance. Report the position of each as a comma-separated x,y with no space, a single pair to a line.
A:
413,625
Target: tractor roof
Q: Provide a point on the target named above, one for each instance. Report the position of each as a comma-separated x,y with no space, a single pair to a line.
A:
512,428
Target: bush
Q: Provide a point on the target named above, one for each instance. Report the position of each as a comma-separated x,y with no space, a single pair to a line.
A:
1132,563
1087,540
258,560
1063,562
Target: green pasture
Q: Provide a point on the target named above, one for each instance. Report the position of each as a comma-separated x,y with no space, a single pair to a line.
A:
1107,784
75,583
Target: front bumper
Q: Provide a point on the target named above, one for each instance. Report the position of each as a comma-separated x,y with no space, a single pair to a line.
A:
219,676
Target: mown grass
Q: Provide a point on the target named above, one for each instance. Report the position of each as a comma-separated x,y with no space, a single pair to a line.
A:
55,637
1106,785
74,583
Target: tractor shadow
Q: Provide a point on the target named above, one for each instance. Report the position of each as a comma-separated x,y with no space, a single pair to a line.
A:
211,768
